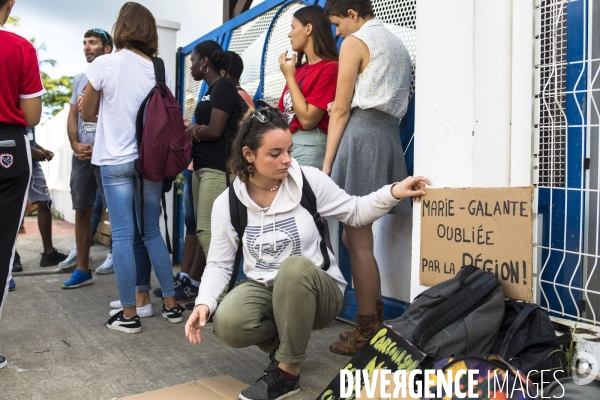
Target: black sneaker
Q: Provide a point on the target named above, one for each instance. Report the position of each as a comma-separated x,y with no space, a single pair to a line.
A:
271,386
2,361
17,266
173,315
176,283
53,258
272,367
118,322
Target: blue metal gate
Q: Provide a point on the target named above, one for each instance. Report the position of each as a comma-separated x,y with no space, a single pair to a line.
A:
566,160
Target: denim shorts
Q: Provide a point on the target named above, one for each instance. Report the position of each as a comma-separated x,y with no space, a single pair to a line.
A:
85,180
38,191
309,147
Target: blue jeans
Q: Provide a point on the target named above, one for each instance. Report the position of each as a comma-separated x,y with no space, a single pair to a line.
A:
188,204
122,191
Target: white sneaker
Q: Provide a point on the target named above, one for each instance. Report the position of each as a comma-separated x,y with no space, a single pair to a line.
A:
70,261
116,304
142,312
107,266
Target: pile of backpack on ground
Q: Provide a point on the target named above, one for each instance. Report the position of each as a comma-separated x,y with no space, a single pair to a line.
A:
467,321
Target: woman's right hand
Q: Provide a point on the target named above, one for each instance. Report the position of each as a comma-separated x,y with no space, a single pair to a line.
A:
192,129
196,322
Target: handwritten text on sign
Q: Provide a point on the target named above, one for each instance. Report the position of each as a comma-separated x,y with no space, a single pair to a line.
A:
490,228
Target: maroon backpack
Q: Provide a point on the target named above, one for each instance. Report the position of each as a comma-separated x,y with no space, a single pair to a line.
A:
164,146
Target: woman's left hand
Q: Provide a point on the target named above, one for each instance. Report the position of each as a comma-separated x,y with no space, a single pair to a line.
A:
412,186
288,70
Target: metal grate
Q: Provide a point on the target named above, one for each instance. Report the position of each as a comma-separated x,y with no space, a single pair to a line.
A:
553,123
569,165
191,89
278,42
248,41
400,17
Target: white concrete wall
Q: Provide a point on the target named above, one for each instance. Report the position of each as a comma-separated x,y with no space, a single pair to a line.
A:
463,109
167,47
52,135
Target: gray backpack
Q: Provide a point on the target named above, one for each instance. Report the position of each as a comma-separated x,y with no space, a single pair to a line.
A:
460,316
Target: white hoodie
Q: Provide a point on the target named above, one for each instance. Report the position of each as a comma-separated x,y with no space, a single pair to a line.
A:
285,229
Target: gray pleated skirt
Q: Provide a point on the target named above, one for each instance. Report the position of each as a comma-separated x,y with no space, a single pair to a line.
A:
370,155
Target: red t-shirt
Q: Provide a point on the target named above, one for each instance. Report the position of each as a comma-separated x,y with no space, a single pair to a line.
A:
19,76
317,83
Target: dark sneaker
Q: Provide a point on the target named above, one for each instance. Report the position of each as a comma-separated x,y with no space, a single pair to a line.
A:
185,291
2,361
176,282
272,367
173,315
271,386
12,285
17,266
118,322
53,258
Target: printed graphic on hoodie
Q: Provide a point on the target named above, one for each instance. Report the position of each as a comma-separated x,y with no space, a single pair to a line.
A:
272,243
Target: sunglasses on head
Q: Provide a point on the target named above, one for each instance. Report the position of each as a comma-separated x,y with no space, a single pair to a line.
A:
263,115
103,33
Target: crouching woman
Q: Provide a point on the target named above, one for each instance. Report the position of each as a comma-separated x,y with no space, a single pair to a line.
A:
288,293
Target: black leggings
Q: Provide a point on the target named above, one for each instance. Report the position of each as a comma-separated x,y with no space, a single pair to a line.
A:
15,173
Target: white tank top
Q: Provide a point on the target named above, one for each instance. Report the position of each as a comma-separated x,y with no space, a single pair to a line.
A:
385,83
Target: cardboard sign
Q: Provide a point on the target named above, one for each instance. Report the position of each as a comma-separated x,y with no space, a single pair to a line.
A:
386,350
216,388
490,228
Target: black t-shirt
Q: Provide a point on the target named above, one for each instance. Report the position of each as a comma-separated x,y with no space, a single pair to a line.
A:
223,96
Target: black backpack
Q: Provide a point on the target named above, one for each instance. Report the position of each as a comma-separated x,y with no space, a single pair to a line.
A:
527,339
458,317
239,220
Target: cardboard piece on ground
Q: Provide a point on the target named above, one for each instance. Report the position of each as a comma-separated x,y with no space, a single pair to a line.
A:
490,228
216,388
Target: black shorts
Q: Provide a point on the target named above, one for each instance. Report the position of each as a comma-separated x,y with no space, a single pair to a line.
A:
85,180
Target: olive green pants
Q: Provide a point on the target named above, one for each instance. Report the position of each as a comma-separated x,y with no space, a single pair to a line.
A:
207,185
303,298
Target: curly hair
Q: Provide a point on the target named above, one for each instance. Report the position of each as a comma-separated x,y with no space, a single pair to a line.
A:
339,8
217,58
136,28
251,135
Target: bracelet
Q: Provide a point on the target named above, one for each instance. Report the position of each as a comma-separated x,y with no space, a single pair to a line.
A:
394,184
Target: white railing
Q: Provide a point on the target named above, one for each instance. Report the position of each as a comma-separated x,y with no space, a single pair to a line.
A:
568,169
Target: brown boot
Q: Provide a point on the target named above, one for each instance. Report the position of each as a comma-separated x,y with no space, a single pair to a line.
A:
346,334
367,325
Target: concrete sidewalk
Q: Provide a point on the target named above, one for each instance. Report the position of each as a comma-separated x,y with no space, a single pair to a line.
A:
58,348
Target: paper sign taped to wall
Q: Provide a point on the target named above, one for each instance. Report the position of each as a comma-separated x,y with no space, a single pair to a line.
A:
490,228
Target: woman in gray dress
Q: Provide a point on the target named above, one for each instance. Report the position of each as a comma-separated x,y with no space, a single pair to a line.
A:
363,145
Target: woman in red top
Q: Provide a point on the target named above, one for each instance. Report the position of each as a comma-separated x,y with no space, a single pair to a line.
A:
20,106
310,85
